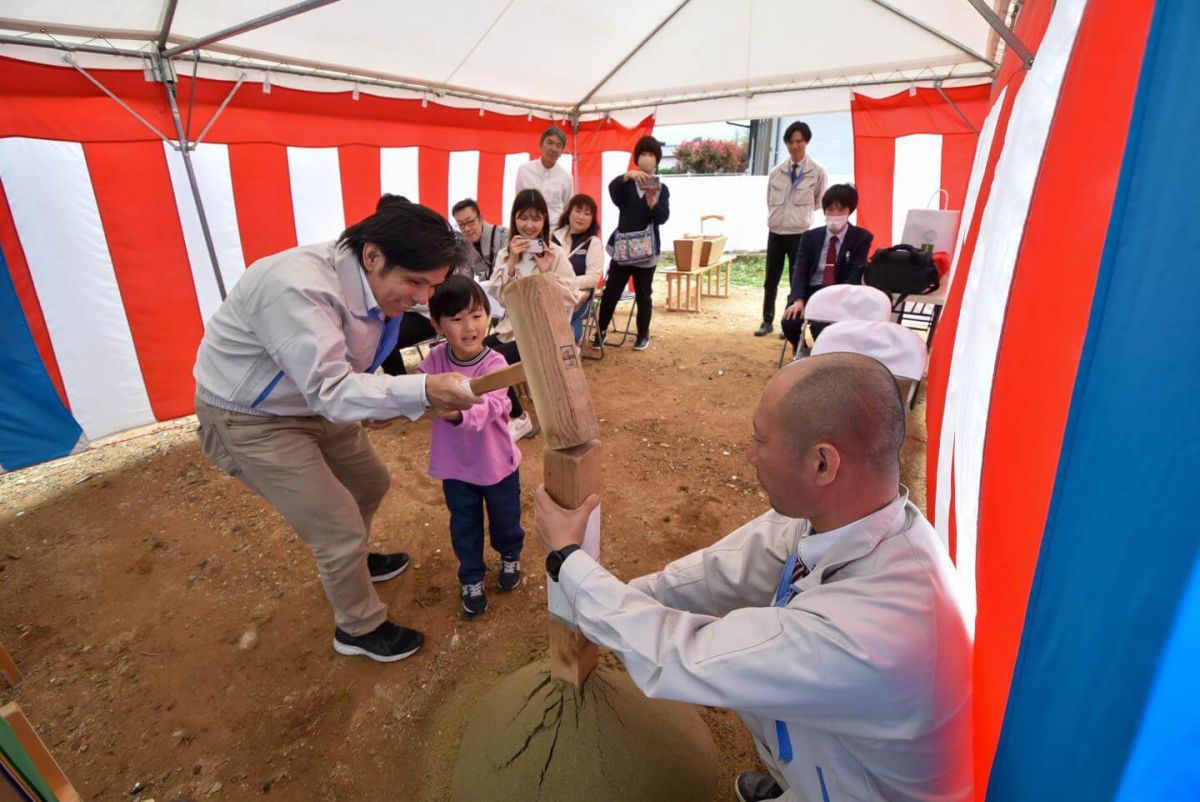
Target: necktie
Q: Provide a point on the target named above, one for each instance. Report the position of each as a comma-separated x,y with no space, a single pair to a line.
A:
387,343
800,571
793,174
830,262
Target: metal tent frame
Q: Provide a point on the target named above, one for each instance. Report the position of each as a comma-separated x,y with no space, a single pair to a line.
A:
162,58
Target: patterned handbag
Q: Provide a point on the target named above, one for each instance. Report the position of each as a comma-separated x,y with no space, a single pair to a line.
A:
634,248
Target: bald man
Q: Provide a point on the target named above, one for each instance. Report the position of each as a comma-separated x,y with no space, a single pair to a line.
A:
828,624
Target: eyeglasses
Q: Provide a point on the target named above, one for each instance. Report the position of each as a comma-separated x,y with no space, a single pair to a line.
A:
468,223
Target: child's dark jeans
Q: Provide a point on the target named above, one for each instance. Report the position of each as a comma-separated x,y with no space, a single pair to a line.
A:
466,502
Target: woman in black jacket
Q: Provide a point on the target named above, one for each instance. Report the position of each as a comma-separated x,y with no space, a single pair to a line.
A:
644,203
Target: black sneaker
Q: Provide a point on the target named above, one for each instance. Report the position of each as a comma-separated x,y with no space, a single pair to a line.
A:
474,600
764,329
385,566
599,338
642,344
755,787
510,574
387,643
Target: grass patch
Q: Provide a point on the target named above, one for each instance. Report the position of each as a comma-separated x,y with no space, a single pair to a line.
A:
747,270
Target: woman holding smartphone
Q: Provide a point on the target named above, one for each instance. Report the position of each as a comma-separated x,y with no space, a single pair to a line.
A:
644,204
529,251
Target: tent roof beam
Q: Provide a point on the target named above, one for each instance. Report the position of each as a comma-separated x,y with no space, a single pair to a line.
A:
631,54
244,27
930,29
164,27
1006,33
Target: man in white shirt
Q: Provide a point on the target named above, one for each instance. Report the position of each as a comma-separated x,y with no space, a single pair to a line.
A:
286,373
829,624
794,190
546,176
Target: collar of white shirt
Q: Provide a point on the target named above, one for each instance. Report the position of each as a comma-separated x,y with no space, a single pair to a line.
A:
355,287
816,547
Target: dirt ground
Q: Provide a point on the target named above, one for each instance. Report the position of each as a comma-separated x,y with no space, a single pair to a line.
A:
176,642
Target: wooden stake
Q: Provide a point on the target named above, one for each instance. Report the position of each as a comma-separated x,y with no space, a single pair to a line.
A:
571,476
564,408
8,668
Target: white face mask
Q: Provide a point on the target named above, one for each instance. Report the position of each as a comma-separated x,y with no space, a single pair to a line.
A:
647,164
837,223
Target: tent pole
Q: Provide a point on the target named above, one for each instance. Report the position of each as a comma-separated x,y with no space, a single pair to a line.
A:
1006,33
938,86
575,149
167,76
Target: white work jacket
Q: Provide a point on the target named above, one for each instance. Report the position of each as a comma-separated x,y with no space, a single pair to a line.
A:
790,206
865,673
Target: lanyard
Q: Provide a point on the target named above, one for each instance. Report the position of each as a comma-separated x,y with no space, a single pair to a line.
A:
783,591
784,594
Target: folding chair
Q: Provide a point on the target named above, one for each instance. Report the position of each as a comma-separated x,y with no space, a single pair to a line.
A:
839,302
593,321
899,348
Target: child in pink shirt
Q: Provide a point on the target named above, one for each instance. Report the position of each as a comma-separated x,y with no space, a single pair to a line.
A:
472,452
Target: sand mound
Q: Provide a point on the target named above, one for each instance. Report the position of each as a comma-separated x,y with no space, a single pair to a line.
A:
531,738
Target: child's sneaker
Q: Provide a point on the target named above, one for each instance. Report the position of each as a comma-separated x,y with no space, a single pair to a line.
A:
474,600
510,574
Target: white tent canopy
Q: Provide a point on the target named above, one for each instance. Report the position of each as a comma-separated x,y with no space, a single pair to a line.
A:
682,60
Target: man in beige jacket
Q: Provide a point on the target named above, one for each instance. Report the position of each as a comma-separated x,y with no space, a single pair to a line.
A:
794,190
828,624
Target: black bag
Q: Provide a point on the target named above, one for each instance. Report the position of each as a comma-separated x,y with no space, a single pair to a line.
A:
902,270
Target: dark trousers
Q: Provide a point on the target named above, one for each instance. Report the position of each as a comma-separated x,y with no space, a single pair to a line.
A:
511,354
466,502
792,329
779,246
414,329
643,288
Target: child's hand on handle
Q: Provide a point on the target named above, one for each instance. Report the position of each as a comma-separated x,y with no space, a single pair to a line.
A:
449,392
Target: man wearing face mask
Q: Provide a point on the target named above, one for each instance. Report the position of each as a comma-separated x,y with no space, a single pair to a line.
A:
794,188
836,253
545,175
285,375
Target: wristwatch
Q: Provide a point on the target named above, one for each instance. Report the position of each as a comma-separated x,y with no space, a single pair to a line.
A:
555,560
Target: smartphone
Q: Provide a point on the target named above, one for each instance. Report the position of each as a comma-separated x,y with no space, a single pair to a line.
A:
535,246
652,182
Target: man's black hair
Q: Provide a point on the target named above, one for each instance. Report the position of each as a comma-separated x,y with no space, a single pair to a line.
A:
388,199
556,132
409,235
466,203
648,144
845,194
456,294
803,128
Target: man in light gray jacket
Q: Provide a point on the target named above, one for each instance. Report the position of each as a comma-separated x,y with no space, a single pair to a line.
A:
285,374
829,624
794,190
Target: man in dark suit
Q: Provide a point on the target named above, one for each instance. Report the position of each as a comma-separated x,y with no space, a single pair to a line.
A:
835,253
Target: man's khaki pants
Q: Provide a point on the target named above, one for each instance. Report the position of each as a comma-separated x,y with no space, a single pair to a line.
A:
327,482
